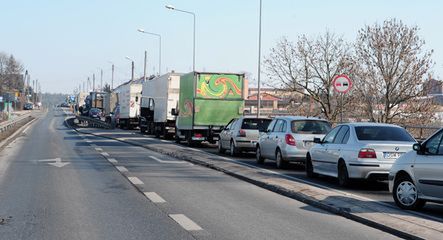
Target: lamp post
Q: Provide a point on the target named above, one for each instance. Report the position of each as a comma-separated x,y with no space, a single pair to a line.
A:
259,63
170,7
132,67
159,47
112,75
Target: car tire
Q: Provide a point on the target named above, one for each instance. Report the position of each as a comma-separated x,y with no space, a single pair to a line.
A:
220,148
310,168
280,162
142,130
258,157
233,151
408,200
343,175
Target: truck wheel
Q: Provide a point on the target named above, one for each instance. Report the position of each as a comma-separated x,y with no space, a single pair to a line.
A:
176,137
142,130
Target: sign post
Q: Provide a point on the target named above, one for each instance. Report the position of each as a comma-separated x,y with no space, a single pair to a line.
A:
342,84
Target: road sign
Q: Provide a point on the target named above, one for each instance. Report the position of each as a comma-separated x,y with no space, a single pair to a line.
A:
342,83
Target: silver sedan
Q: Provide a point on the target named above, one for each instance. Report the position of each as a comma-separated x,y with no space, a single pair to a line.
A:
358,151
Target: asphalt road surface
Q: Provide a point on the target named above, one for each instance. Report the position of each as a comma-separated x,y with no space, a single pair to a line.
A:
58,184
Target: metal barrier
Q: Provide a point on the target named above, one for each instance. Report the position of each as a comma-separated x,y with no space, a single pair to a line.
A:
93,122
5,126
421,132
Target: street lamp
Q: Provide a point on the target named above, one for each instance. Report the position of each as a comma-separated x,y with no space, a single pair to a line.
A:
159,47
259,62
132,67
170,7
112,75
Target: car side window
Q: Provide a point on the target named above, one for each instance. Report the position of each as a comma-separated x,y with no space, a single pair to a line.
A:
271,126
278,126
346,137
283,127
229,124
341,134
329,138
433,145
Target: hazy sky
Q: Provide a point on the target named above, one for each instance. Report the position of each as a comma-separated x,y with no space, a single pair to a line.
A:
63,42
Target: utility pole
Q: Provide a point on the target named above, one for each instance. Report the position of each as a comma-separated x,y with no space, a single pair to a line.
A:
88,84
144,71
132,74
112,77
259,63
101,79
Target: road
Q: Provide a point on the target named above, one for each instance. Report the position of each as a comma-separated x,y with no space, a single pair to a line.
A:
57,184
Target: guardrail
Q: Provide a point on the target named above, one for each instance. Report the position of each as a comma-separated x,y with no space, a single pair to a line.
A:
93,122
5,126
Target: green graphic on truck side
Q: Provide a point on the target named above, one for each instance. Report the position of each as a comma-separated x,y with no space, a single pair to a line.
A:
219,86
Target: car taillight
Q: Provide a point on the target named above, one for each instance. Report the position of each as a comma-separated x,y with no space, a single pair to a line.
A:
198,135
367,153
290,140
242,133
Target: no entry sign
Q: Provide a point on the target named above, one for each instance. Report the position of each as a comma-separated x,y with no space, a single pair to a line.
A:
342,83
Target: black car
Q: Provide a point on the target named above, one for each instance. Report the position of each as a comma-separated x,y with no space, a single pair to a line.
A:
95,113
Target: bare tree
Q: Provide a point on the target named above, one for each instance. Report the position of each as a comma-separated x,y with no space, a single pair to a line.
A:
308,67
392,69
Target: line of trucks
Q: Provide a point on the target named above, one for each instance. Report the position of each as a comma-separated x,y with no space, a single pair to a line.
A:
193,107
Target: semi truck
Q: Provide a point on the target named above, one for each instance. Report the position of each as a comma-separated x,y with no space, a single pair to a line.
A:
207,102
128,107
159,104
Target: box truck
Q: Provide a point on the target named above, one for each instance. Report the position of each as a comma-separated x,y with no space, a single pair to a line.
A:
128,107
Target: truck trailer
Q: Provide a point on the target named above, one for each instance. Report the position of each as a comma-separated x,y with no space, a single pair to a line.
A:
128,106
207,102
159,104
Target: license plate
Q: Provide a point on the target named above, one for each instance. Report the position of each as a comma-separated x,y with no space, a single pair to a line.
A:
391,155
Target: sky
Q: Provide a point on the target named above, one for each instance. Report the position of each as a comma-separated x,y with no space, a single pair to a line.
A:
62,43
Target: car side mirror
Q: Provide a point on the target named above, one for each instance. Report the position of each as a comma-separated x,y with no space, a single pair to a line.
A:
174,112
418,148
317,140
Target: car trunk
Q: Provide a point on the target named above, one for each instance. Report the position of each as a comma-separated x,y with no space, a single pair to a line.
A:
389,151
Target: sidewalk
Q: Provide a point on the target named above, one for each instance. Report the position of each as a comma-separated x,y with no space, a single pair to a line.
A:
406,224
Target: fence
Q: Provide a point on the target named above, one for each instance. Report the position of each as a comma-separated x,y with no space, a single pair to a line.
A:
5,126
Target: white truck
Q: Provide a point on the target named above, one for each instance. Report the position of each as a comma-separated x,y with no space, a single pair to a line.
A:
110,101
127,109
159,104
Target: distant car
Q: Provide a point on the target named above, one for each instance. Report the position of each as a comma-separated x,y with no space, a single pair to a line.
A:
241,134
358,151
417,176
28,106
115,116
289,138
95,113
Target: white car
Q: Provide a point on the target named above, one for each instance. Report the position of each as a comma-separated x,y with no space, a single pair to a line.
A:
417,176
358,151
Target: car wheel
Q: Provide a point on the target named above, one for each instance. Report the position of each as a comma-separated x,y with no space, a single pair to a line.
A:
220,148
258,157
232,149
281,163
406,194
142,130
310,168
343,175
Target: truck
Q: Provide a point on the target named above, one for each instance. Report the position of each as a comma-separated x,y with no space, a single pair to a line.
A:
159,104
207,102
128,106
109,103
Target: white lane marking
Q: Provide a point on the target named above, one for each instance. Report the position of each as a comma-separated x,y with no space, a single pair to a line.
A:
163,161
164,141
105,154
93,145
88,141
185,222
112,160
135,180
154,197
26,129
99,149
122,169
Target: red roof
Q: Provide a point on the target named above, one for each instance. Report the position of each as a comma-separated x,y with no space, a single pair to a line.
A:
264,96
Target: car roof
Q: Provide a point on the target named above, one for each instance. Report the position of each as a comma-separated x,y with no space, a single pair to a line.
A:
253,117
370,124
290,118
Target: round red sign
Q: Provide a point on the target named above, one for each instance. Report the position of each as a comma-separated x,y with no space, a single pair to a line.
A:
342,83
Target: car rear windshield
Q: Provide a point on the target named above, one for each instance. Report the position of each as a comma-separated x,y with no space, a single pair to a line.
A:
382,133
256,123
310,127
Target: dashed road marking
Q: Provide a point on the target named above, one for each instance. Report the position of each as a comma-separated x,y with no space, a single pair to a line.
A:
112,160
105,154
135,180
99,149
122,169
163,161
93,145
88,141
185,222
154,197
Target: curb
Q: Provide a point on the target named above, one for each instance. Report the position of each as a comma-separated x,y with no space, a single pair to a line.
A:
299,196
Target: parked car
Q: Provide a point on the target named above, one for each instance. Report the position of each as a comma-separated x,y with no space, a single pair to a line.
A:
28,106
241,134
417,176
95,113
358,151
289,138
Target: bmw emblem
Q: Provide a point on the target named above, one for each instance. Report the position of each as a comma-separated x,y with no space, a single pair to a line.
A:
397,148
